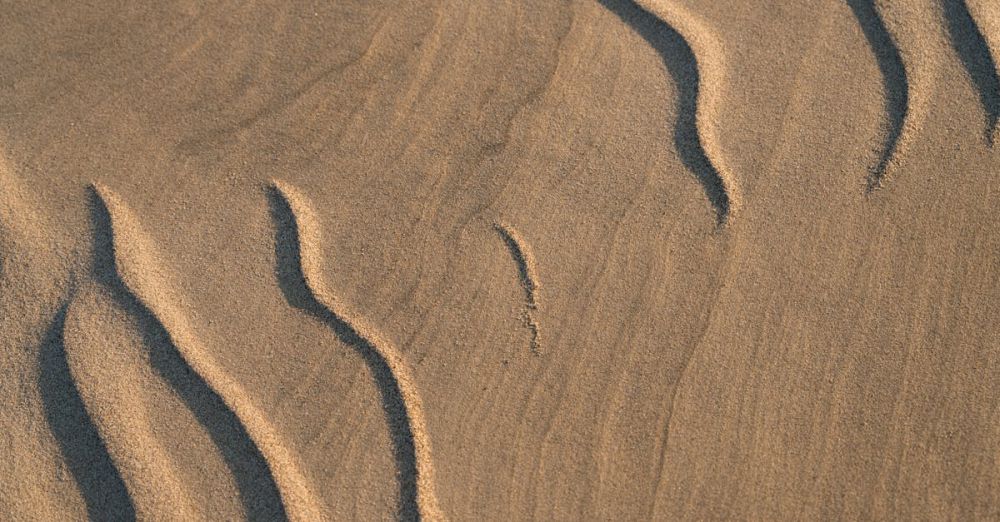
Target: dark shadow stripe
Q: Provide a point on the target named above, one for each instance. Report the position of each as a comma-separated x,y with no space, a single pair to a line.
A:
894,83
975,55
87,457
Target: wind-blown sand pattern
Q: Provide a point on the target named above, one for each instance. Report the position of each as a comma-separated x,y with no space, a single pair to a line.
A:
701,76
137,265
386,362
528,276
764,282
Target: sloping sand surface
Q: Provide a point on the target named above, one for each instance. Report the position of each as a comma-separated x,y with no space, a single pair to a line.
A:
451,260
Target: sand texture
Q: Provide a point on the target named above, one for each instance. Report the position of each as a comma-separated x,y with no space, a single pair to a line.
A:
468,260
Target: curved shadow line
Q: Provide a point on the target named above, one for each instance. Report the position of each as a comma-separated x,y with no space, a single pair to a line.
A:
296,291
975,54
894,81
259,494
101,485
682,65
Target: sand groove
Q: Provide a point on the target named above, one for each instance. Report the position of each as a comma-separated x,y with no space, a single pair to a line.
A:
137,265
696,60
528,275
977,57
300,272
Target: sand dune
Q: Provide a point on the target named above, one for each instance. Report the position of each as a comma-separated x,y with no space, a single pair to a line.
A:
438,259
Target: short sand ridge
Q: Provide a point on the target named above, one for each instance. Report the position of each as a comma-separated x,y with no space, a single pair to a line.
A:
528,275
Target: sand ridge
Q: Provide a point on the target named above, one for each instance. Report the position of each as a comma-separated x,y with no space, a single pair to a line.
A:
709,56
969,23
387,363
136,263
35,273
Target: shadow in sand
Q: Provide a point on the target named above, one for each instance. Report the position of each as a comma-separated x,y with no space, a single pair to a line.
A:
894,82
976,57
98,480
292,282
683,68
259,493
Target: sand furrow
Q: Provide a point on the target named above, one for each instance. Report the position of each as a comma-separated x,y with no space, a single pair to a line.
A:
696,60
528,275
977,55
300,273
137,265
903,39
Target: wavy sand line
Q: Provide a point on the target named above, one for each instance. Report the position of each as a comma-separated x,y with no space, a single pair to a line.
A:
894,82
986,14
709,58
528,275
370,342
137,265
903,39
977,53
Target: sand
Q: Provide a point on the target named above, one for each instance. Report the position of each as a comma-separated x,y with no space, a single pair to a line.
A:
569,260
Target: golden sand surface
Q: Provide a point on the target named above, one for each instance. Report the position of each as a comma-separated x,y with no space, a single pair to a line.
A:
482,260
